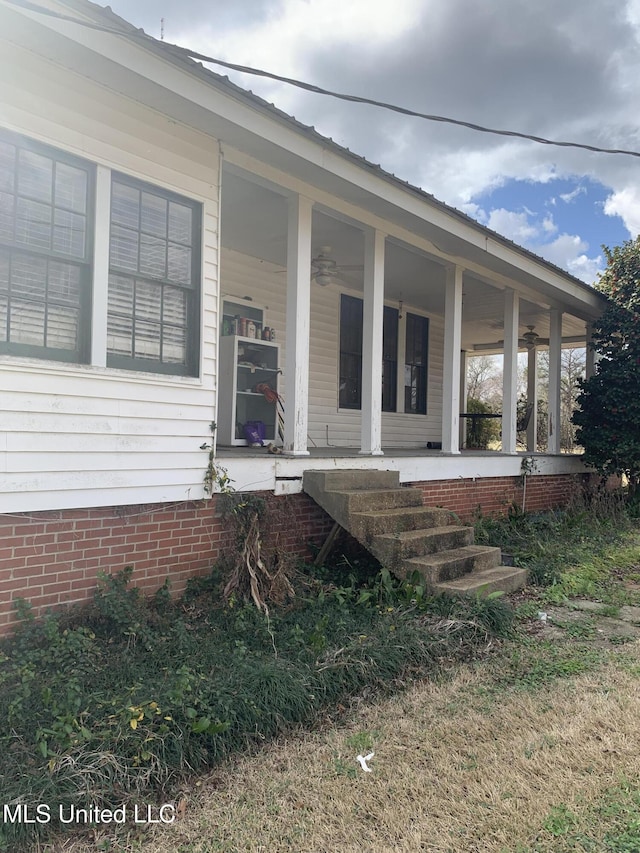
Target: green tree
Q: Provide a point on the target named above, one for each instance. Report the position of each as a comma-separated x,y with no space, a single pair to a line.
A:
608,420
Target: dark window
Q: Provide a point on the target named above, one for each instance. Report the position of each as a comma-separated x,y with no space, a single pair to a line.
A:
46,201
389,359
350,393
154,279
415,365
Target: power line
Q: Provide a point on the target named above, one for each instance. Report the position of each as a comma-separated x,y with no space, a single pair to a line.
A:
140,35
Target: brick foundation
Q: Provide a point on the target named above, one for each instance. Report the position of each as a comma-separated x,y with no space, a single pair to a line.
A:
494,496
53,558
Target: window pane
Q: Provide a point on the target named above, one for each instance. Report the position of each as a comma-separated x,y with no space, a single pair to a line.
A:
7,167
33,224
180,223
124,249
153,256
62,327
71,188
7,216
179,264
154,215
35,176
148,301
125,205
64,282
147,340
174,306
69,233
120,295
4,313
26,323
120,335
174,345
29,277
4,272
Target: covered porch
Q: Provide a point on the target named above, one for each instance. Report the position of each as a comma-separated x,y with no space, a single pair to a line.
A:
374,310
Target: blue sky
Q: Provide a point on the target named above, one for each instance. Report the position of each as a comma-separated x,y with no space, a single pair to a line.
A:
562,219
567,70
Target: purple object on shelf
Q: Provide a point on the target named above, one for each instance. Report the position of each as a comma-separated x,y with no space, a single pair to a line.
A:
254,433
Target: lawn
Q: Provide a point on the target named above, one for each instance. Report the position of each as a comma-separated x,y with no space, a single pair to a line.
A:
495,726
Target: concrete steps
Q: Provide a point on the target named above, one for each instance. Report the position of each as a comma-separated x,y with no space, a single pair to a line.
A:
405,536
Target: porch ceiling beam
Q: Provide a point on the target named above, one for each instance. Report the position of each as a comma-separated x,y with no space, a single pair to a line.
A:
451,367
372,317
298,326
583,305
510,371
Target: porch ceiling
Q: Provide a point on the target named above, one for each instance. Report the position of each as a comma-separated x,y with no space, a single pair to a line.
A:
254,222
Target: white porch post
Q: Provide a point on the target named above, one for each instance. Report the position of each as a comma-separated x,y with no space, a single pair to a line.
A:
463,397
510,371
532,399
372,316
555,350
451,368
592,357
298,326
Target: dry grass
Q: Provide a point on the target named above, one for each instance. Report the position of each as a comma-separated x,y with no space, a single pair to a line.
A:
457,769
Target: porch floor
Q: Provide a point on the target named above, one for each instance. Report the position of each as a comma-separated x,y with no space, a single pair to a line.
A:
354,452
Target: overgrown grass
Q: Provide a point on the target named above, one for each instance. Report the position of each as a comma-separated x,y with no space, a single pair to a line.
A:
571,552
122,699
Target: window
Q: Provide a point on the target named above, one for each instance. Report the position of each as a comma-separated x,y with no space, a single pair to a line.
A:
415,365
350,389
45,250
389,359
154,280
415,358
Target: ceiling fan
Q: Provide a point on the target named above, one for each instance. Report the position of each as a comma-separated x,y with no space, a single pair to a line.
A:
325,270
530,340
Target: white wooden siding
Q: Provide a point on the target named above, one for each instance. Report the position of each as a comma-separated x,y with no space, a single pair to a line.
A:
265,283
74,436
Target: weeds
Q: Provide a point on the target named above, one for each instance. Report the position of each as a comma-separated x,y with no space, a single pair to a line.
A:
123,698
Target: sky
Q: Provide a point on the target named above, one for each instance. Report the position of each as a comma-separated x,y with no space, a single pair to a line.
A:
560,69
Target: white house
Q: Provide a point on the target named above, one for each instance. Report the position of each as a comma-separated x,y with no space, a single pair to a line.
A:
155,221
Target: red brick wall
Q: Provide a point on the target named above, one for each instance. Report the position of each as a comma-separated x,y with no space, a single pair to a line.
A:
496,495
53,558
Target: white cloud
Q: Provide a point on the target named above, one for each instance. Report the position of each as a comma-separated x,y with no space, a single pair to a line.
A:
569,197
515,226
625,203
569,251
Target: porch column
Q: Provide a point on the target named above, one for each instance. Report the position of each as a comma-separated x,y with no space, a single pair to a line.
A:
463,397
592,357
555,350
372,316
510,371
451,368
296,386
532,399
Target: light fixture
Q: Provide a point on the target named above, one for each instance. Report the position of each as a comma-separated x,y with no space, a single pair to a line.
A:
530,338
323,278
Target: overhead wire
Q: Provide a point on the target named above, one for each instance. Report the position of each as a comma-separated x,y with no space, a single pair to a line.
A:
141,36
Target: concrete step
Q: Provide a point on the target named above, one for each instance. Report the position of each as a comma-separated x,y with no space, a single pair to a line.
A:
349,479
504,578
366,525
341,505
392,549
452,564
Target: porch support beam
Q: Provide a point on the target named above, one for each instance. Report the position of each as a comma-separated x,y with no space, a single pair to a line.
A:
510,371
463,396
298,326
532,399
592,357
372,318
451,368
555,353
